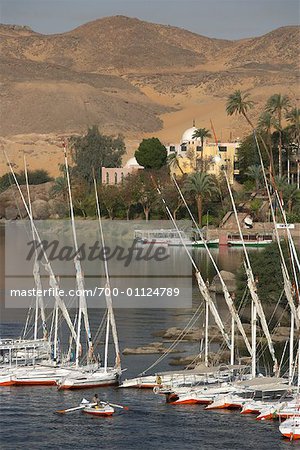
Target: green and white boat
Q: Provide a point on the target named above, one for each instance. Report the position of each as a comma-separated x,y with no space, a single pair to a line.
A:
250,240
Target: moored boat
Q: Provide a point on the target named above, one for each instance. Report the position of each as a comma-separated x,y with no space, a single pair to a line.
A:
249,240
7,379
98,378
290,428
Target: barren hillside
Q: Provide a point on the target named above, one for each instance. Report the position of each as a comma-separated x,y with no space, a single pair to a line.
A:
133,77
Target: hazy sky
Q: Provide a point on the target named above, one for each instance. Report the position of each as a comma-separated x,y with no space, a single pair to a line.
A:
231,19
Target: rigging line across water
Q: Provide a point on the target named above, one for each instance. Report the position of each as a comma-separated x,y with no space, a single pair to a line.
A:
227,296
53,281
201,284
179,338
287,283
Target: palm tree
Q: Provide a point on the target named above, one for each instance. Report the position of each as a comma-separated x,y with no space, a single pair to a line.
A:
200,185
277,104
239,103
201,133
173,161
255,173
60,187
291,195
265,124
293,117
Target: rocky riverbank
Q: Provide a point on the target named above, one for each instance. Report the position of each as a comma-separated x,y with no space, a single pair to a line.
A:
44,204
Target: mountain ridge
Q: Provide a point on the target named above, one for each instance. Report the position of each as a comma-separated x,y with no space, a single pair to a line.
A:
138,78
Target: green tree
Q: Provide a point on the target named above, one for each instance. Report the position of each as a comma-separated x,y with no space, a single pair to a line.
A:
173,161
172,197
60,187
147,193
255,173
95,150
6,181
293,118
255,206
270,281
266,123
291,196
38,176
200,185
277,104
129,192
201,133
151,154
248,156
109,197
239,103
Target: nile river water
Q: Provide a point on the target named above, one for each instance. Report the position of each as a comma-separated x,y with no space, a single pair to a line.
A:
27,419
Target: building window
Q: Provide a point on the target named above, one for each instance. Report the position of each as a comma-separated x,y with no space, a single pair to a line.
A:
107,178
122,177
172,148
199,148
116,178
222,148
183,148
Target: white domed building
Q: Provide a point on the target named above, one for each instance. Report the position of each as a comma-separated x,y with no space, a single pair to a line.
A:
115,175
187,136
132,164
192,157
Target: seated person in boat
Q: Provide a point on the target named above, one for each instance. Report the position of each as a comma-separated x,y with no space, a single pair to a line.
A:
96,400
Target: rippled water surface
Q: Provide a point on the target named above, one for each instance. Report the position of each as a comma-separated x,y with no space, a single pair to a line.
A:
28,421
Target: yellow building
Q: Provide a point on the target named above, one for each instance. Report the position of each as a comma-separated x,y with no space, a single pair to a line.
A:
192,157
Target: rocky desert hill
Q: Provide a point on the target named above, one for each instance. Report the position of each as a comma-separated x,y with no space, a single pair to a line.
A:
133,77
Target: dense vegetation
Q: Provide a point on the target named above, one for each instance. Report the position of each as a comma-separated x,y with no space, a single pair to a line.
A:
38,176
151,154
267,271
277,131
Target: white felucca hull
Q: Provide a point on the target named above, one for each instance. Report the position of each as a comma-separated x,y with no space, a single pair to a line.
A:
39,376
7,380
204,395
82,380
291,428
227,402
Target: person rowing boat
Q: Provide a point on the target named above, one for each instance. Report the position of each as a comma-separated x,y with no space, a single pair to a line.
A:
96,407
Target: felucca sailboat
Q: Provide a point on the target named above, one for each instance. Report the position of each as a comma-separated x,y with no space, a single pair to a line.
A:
91,375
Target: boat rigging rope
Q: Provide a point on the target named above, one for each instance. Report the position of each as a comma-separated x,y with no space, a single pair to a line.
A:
285,273
53,280
227,296
179,338
201,283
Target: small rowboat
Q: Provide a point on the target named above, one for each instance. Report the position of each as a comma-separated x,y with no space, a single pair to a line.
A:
94,409
103,409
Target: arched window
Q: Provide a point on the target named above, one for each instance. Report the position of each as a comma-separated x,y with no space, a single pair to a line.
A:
116,178
107,178
122,177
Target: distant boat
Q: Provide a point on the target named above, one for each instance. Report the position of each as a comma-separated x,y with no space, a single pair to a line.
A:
172,238
250,240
